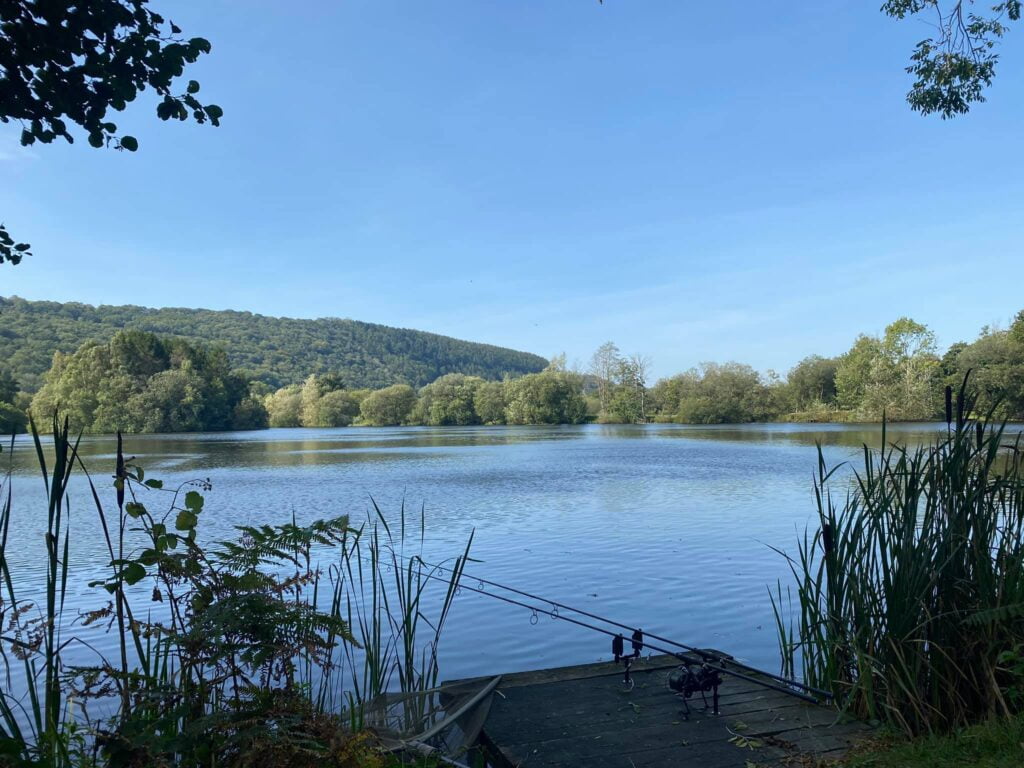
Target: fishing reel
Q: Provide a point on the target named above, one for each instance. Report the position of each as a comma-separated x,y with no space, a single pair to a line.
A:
691,678
618,651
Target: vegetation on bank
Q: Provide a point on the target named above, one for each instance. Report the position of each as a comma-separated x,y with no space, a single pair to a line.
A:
898,375
139,382
909,596
996,743
286,647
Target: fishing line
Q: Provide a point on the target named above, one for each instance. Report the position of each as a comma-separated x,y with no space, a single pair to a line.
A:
710,665
707,656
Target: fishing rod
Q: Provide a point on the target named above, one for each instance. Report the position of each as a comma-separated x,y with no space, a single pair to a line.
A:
617,641
705,655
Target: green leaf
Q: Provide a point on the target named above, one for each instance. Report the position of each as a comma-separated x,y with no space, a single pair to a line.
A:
194,501
193,86
134,509
96,139
215,112
186,521
130,143
154,483
133,573
149,557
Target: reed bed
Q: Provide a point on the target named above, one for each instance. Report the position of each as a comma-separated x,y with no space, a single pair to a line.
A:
909,594
275,648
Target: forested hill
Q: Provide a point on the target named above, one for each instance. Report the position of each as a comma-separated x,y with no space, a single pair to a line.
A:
275,350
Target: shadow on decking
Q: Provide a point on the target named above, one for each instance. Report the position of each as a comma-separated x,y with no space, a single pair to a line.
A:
586,716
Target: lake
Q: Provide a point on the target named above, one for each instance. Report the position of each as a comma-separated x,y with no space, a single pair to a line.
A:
666,527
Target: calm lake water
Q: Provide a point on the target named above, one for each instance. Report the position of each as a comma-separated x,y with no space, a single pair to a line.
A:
662,526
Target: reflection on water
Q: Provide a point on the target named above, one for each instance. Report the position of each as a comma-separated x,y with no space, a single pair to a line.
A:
663,526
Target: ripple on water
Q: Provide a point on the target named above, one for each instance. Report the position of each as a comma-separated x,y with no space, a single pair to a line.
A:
664,527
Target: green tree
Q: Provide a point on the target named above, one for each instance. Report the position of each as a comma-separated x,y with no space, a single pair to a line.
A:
603,365
666,395
12,419
326,403
337,408
953,68
388,407
489,402
1017,329
310,398
250,414
811,381
549,397
996,362
627,400
910,362
448,401
855,372
70,64
138,382
12,416
728,393
896,376
8,386
172,401
949,365
284,407
73,384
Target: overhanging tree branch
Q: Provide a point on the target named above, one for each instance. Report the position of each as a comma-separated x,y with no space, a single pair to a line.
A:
64,65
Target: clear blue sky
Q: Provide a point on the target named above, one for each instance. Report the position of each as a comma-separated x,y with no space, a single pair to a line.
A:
695,181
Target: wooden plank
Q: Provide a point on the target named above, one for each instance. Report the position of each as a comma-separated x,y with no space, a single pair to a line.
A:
564,674
584,715
580,671
508,723
541,709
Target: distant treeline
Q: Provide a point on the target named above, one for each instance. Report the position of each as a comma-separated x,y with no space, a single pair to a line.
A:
899,375
274,350
553,396
141,382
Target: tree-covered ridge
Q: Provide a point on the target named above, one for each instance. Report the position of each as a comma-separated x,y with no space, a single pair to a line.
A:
276,351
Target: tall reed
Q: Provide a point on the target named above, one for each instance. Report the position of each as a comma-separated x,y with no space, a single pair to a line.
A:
910,592
250,652
389,587
33,632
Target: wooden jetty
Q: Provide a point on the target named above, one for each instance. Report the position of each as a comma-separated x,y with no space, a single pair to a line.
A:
586,716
